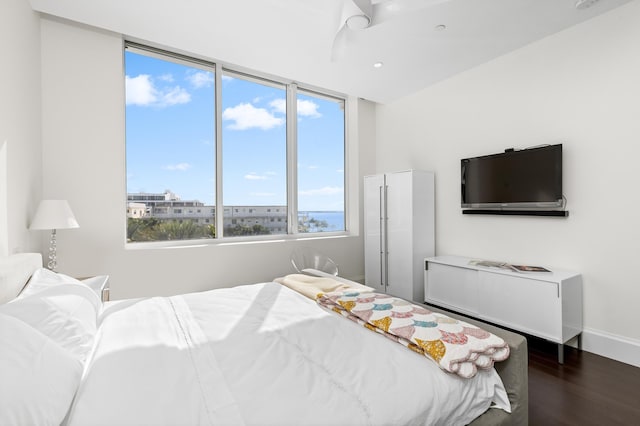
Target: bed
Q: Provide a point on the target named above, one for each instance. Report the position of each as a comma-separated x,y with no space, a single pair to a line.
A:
257,354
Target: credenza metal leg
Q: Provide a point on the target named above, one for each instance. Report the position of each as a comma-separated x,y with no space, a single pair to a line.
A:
579,341
560,353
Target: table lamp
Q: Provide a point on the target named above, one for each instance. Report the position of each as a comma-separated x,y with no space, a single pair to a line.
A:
53,215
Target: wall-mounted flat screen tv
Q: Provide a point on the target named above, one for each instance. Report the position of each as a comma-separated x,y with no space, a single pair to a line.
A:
520,179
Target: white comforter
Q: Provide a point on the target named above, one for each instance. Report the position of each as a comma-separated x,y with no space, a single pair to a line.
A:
262,355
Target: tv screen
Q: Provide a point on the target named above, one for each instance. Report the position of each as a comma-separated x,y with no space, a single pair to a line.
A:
528,178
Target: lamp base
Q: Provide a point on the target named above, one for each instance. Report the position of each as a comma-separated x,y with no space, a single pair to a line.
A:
53,262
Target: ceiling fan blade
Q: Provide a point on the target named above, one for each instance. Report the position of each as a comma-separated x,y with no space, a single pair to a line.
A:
365,6
339,46
391,9
350,8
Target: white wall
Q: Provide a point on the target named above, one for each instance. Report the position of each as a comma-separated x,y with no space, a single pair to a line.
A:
580,87
84,148
20,145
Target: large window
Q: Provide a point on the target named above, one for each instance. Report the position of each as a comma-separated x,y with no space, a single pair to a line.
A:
212,152
254,155
320,143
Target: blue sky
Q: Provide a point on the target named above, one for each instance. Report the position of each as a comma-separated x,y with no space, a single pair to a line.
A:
171,138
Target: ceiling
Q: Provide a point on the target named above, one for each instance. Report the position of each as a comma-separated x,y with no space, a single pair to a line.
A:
293,39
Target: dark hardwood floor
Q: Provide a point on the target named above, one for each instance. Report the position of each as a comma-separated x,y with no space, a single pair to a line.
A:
586,390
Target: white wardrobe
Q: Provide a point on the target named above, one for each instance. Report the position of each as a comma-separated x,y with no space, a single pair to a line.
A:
399,231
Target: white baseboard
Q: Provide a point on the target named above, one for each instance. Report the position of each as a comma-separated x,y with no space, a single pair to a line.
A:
611,346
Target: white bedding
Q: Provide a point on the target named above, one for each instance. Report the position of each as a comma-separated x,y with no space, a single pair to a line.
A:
46,334
262,355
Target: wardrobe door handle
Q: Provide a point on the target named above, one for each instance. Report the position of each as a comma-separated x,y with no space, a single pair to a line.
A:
386,238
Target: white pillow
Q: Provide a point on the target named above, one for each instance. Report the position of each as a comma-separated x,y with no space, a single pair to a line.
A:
43,278
66,313
38,379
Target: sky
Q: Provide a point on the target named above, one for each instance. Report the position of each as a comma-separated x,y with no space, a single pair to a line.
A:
170,137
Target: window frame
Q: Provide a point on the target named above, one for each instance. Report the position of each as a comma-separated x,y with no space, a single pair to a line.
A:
292,87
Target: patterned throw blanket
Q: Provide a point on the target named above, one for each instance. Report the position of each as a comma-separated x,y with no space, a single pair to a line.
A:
311,286
456,346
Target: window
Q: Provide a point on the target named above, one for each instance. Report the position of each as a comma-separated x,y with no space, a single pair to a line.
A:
198,135
254,143
320,163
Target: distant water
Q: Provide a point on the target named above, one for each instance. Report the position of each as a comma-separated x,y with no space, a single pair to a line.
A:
335,220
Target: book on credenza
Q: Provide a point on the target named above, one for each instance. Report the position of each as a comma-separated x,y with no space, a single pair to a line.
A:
508,266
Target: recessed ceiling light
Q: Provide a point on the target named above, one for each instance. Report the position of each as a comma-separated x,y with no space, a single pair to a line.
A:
378,65
440,27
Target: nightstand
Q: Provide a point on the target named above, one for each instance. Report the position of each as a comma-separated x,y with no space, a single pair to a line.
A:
99,284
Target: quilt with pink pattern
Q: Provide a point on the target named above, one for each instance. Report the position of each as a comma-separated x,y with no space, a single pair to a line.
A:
456,346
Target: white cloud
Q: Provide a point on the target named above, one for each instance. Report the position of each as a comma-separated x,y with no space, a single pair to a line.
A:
312,167
174,96
182,167
142,91
246,116
166,77
340,170
199,79
327,190
254,176
305,108
279,106
308,109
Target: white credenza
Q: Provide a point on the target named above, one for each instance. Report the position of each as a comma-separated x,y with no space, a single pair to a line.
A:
542,304
399,231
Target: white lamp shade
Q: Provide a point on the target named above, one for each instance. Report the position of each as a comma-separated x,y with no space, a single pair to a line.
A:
54,214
